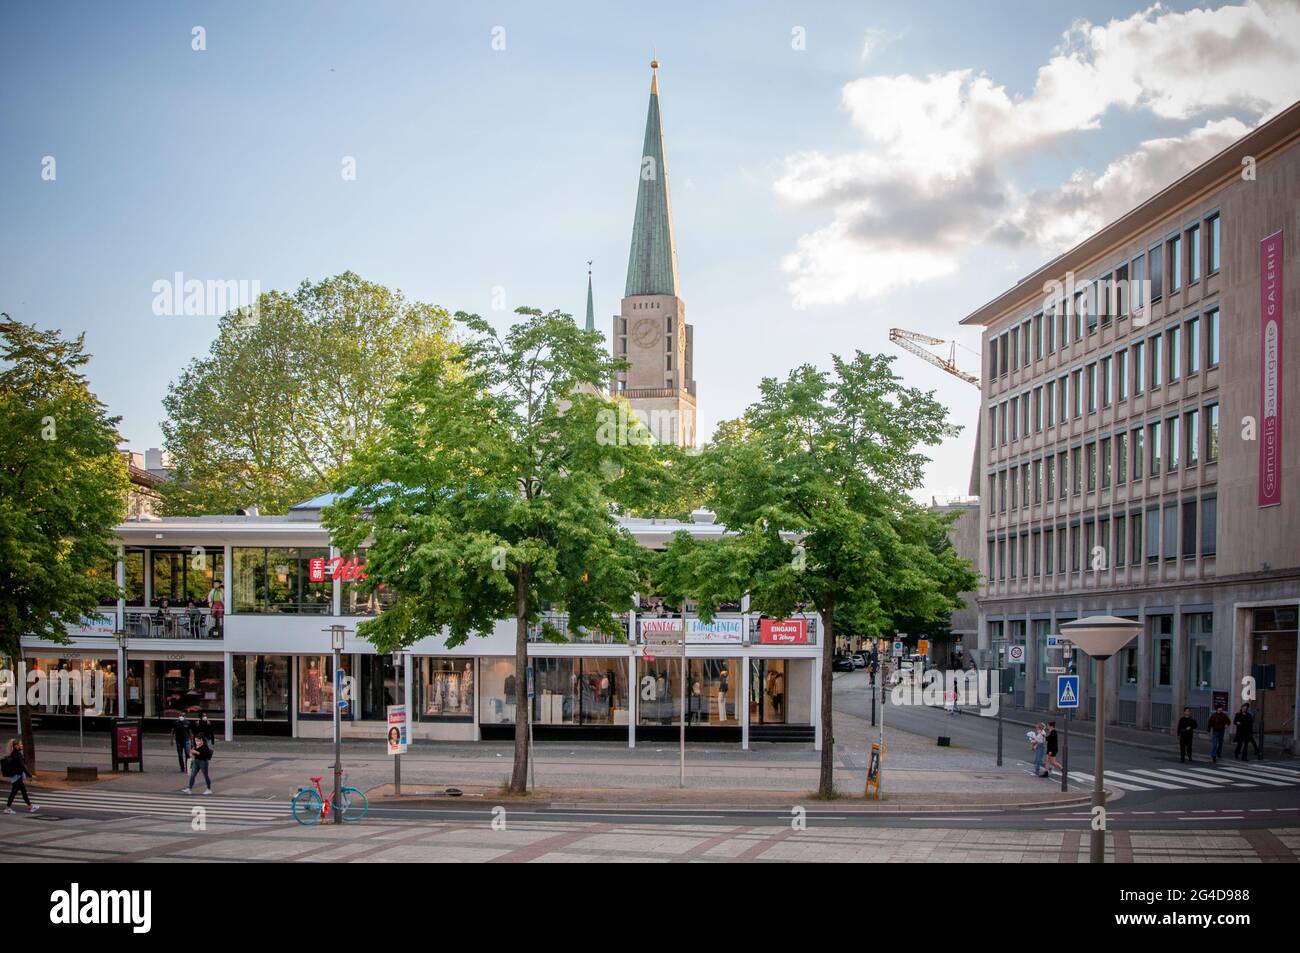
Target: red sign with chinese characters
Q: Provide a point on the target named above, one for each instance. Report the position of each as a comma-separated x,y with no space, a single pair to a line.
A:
345,570
1270,370
783,631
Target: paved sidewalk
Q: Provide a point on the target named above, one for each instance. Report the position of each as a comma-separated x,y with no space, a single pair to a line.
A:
917,773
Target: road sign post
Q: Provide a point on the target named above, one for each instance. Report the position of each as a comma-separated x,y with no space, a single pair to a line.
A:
670,642
1067,699
337,633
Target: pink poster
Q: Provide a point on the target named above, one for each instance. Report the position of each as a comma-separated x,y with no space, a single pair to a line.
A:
1270,378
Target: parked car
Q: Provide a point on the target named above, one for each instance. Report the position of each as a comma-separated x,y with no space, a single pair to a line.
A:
859,660
843,663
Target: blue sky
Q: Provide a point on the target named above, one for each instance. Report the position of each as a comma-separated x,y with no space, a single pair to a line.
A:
479,168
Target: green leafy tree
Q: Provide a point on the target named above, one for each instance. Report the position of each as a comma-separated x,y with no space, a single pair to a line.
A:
814,482
494,491
63,490
290,391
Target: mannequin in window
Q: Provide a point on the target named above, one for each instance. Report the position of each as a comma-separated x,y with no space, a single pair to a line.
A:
312,688
723,687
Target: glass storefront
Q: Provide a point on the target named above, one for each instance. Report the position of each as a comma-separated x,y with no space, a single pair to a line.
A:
712,691
1200,651
379,687
316,684
351,572
260,687
183,576
70,686
157,689
444,689
270,580
580,691
767,690
497,691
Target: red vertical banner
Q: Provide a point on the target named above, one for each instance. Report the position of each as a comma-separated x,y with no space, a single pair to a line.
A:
1270,367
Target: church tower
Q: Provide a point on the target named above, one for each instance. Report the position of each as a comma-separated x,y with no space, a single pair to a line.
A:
651,332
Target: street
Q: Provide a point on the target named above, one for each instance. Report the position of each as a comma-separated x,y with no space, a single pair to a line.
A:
604,802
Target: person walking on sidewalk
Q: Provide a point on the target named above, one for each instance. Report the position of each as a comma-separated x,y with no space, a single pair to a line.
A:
183,736
1244,723
1186,732
1038,745
1219,723
1053,748
202,755
204,728
15,769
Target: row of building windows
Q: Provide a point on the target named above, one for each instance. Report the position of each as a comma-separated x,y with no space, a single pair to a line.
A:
1113,295
1161,446
1099,544
1162,358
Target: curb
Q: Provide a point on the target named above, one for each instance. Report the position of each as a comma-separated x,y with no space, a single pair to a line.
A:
814,806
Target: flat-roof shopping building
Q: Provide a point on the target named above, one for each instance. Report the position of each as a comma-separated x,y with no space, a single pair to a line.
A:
1136,455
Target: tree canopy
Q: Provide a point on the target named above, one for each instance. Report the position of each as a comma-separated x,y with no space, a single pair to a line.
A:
494,493
814,481
63,490
290,391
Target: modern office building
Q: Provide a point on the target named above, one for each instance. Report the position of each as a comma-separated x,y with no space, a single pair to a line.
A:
1135,454
651,332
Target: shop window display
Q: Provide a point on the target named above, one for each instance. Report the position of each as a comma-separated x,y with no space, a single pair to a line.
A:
712,692
260,687
580,691
94,691
445,688
497,688
316,683
767,692
157,689
379,687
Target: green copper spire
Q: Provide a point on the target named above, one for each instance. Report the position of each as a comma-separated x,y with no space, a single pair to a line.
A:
652,264
591,311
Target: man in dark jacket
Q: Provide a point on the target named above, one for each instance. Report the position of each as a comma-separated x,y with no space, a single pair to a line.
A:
1244,722
182,735
1186,732
1219,723
204,728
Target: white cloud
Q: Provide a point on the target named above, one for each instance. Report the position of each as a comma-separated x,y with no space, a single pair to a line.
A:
935,175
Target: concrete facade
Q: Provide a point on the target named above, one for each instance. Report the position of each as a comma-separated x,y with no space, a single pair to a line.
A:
1120,444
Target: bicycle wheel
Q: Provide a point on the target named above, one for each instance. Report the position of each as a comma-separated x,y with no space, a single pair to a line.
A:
354,804
306,807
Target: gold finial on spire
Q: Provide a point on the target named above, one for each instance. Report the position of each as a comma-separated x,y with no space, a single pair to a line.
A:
654,76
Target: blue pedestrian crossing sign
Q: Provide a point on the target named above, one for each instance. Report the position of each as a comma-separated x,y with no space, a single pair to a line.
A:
1067,691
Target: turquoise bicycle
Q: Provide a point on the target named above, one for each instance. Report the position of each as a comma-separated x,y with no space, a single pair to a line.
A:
310,806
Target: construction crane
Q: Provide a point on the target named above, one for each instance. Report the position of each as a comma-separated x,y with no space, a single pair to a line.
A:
912,341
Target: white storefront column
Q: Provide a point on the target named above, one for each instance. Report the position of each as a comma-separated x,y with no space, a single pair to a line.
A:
120,579
230,695
336,587
744,695
633,698
408,694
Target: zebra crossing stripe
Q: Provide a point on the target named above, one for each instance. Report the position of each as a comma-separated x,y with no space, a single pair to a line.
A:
1272,770
160,805
1141,780
1089,780
1246,776
1181,776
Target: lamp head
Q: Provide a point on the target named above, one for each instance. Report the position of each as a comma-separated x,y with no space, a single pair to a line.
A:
1101,636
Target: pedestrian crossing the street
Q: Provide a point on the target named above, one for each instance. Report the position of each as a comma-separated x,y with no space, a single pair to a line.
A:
1225,776
143,804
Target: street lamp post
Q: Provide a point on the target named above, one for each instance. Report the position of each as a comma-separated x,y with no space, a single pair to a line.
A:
337,633
1100,637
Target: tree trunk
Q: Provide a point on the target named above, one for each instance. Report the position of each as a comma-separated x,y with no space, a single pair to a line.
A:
519,775
826,783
